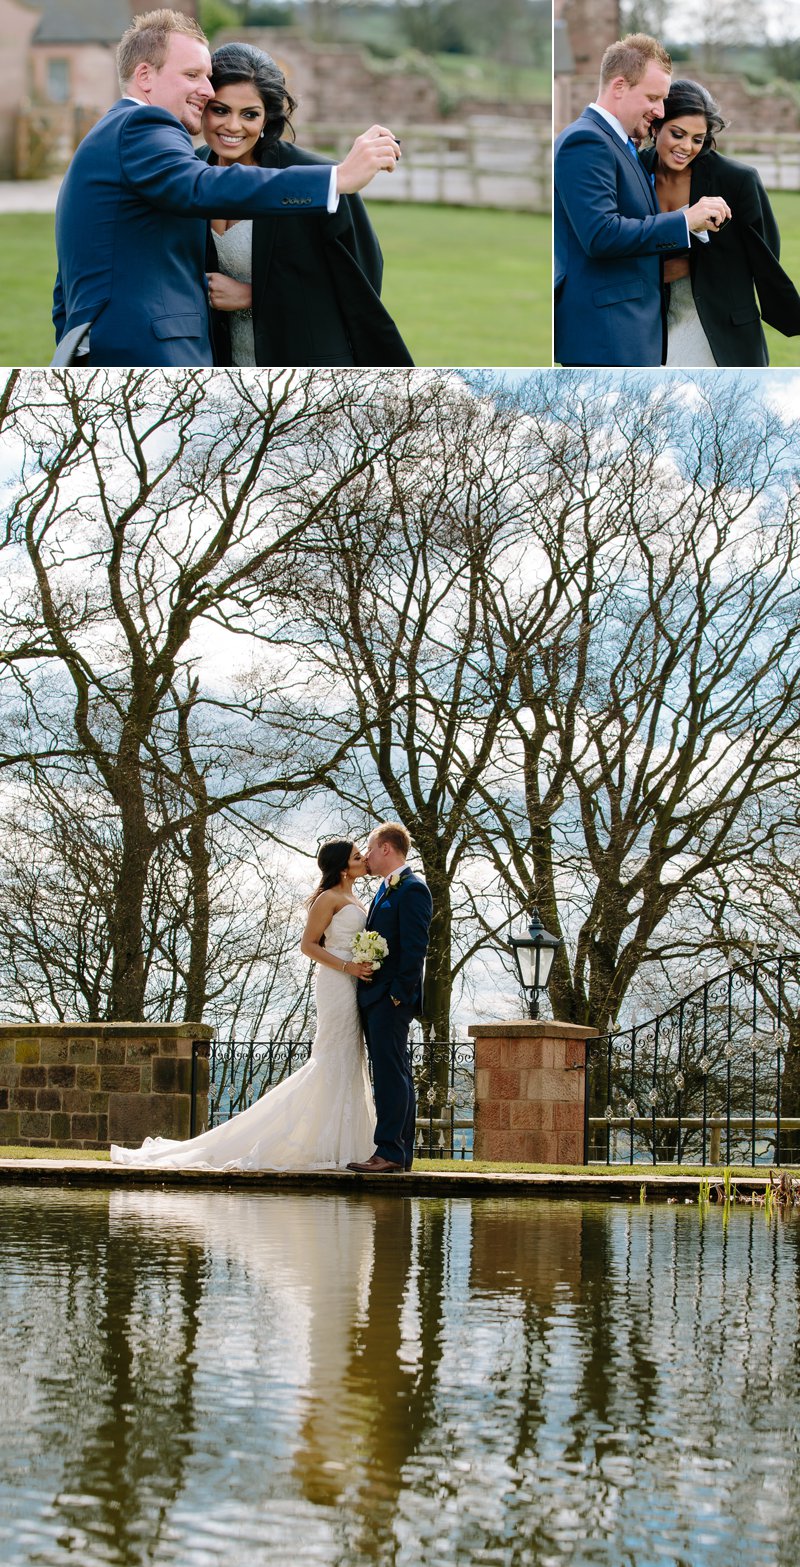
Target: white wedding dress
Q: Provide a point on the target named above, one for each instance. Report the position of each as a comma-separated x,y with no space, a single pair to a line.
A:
319,1118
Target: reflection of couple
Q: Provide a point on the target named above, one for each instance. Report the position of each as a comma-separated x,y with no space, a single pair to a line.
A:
661,249
324,1116
295,267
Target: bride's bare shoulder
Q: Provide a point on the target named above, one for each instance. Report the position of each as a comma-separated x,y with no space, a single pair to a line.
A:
327,902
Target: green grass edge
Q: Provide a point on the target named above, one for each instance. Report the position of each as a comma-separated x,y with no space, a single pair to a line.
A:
637,1172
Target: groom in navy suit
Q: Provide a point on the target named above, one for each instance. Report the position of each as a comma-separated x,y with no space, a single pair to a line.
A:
610,236
401,912
131,213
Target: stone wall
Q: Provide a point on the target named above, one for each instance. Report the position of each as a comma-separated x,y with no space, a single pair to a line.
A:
338,82
85,1085
530,1091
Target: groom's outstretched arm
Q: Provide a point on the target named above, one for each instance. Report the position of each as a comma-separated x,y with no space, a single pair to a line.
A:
159,164
414,912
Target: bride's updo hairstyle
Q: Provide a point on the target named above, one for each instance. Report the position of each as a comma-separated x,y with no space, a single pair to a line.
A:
333,859
233,63
685,97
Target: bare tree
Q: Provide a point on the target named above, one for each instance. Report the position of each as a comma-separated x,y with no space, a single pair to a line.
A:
393,621
656,727
145,511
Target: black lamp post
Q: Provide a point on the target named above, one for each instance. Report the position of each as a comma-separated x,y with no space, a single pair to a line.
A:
534,954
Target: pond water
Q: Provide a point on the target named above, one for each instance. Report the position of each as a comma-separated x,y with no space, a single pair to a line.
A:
214,1378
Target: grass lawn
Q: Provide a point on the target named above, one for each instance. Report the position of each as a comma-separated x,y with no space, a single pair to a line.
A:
635,1172
786,206
27,271
466,287
54,1153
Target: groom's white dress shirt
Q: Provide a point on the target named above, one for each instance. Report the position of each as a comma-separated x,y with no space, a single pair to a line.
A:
397,872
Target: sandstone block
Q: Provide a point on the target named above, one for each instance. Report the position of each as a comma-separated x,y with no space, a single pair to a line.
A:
527,1116
33,1077
488,1052
9,1127
570,1148
84,1050
164,1075
54,1050
120,1079
87,1077
83,1127
22,1099
496,1113
26,1052
503,1085
48,1099
34,1123
526,1053
62,1077
568,1117
132,1117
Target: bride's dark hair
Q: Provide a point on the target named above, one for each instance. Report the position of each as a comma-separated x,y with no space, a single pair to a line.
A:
333,859
233,63
687,97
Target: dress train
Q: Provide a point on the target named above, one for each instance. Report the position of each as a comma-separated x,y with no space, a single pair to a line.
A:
321,1117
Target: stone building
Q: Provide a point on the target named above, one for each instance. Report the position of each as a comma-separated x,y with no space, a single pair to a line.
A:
763,123
583,29
336,84
59,76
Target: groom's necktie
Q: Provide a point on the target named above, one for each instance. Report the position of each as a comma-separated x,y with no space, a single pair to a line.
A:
633,149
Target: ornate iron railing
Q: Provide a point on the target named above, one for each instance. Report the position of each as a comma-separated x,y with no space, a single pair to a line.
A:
241,1070
715,1078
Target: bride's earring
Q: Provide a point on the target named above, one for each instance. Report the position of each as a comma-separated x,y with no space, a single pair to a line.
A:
261,138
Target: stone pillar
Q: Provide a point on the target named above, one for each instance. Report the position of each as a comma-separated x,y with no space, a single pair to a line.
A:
85,1085
529,1091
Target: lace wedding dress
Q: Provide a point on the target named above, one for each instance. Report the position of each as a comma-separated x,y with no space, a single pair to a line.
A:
235,257
319,1118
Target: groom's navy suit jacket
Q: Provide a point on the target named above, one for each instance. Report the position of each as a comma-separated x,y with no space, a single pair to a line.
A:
131,234
402,915
610,239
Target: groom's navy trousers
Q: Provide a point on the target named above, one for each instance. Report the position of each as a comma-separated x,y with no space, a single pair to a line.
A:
402,915
131,234
386,1029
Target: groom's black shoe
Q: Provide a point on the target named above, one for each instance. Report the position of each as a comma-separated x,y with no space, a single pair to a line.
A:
377,1166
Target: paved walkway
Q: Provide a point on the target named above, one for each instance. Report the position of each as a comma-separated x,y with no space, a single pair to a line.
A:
28,195
613,1185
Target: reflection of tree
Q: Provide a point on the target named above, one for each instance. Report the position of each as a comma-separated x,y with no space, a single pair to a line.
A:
134,1464
397,1380
118,1341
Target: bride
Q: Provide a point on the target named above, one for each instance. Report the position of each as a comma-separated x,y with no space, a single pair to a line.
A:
323,1116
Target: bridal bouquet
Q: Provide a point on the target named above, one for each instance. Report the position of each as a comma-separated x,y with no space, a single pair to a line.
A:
369,946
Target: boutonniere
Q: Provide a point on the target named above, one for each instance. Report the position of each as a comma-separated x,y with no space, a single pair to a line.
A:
394,881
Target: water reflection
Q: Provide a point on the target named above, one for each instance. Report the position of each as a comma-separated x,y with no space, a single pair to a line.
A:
195,1378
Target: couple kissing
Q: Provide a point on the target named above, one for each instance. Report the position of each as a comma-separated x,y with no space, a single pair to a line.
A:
368,983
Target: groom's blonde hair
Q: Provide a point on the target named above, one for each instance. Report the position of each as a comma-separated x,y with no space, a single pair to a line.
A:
395,834
630,57
147,39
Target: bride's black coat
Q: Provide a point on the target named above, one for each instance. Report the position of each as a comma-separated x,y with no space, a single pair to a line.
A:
316,285
738,263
